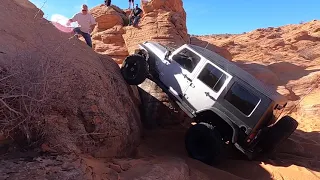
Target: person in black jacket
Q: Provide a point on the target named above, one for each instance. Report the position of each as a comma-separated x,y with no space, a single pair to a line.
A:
107,2
135,16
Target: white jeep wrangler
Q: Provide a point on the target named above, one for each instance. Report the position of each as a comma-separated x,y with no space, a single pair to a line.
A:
228,104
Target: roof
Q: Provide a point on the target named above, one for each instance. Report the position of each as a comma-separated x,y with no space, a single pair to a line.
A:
235,70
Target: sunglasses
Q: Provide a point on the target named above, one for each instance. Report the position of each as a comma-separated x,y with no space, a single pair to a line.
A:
84,10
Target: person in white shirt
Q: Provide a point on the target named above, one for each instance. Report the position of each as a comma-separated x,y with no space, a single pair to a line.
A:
131,2
86,22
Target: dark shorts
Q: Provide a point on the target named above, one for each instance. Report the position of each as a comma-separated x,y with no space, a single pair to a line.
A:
131,0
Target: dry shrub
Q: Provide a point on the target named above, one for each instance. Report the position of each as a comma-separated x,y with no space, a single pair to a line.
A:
24,97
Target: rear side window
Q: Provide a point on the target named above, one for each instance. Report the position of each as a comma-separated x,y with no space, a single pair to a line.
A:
212,77
242,99
187,59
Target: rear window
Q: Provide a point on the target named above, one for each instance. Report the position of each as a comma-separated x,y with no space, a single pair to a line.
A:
242,99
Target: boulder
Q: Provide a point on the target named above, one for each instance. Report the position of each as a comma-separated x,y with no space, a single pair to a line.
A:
158,109
106,17
110,42
162,21
57,91
107,35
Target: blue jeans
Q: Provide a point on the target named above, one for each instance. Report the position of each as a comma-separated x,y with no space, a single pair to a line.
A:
86,36
134,20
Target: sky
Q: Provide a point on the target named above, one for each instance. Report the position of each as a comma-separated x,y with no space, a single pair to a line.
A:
213,16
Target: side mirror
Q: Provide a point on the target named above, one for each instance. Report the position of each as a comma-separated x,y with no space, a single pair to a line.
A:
167,54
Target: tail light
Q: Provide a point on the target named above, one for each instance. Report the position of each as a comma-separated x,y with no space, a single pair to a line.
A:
251,136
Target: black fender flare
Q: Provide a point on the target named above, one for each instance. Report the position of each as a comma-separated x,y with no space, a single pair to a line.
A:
144,50
227,120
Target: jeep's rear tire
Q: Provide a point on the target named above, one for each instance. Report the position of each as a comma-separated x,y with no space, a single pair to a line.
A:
204,143
278,133
134,69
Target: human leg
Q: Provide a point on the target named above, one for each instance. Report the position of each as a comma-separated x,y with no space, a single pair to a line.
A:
131,19
77,32
87,38
136,20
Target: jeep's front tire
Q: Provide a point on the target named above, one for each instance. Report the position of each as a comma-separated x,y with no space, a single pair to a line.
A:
277,133
134,69
204,143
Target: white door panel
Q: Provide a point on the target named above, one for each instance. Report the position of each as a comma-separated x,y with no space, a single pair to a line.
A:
175,76
172,77
207,86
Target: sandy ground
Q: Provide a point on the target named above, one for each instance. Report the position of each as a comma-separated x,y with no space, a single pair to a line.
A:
297,158
162,155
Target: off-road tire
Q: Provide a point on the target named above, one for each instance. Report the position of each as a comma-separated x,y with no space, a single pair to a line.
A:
134,69
204,143
278,133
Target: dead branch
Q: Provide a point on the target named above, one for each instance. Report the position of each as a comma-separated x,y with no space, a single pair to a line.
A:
8,77
7,106
6,96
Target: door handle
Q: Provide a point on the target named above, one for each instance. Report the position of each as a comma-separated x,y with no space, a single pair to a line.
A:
185,76
208,94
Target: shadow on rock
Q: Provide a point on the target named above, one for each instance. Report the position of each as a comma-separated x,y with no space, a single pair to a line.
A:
275,74
157,109
287,71
301,149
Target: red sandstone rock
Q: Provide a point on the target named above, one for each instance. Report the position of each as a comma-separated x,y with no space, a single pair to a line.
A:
107,35
162,21
85,107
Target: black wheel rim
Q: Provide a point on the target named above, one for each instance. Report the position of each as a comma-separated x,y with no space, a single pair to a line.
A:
132,69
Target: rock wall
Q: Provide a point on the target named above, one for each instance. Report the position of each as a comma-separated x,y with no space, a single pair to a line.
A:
107,35
162,21
60,94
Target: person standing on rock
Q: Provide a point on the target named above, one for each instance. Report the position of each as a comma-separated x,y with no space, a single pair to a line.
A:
131,2
135,16
86,22
107,2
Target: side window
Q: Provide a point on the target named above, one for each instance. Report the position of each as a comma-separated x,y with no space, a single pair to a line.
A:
212,77
187,59
242,99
